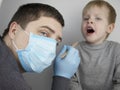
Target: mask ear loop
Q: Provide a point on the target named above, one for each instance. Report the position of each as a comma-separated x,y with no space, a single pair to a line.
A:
14,42
26,32
15,45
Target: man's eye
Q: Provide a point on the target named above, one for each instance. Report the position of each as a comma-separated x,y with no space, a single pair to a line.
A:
43,34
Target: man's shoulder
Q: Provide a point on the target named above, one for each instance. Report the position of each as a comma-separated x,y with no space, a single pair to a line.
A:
1,41
7,59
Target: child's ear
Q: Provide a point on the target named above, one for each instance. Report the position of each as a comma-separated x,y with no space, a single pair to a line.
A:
12,29
110,28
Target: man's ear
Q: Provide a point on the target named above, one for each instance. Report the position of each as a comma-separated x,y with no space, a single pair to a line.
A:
110,28
13,29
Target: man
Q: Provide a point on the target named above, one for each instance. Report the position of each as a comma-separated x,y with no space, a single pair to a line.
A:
29,45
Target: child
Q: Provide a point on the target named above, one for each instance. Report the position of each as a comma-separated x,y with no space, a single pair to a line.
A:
100,59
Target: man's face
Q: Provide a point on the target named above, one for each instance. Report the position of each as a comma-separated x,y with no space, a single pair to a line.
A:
45,26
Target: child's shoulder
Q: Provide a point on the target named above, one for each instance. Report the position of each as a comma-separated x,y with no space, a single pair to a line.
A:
106,44
114,43
115,46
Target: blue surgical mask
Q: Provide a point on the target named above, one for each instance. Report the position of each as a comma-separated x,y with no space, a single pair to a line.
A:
39,53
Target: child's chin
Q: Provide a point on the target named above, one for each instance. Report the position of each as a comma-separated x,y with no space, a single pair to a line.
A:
90,41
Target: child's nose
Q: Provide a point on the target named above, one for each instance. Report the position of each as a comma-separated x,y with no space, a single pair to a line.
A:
90,21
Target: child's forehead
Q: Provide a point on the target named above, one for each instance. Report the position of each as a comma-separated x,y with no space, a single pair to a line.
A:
95,8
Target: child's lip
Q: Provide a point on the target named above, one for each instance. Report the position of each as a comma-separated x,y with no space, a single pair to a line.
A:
89,27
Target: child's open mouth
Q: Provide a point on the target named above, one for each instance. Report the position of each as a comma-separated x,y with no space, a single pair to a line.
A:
90,30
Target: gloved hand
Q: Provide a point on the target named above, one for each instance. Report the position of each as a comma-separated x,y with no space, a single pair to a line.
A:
67,66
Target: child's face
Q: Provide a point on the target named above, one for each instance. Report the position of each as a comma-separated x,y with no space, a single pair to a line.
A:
95,26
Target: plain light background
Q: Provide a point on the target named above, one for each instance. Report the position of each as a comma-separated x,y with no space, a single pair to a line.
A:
71,11
0,2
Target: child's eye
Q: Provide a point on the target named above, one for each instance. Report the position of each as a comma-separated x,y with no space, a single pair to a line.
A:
97,18
85,18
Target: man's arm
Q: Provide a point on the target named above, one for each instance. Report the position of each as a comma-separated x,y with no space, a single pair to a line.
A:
64,68
60,83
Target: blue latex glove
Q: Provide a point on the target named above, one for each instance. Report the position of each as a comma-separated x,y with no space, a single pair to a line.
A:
67,66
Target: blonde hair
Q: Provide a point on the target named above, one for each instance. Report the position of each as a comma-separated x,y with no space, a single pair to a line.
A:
102,3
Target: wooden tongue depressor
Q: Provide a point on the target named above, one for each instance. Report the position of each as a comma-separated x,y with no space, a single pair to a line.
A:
73,45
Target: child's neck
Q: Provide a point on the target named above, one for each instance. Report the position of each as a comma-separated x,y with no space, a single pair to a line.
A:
95,43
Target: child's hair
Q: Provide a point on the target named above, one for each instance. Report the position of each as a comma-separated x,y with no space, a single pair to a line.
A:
33,11
102,3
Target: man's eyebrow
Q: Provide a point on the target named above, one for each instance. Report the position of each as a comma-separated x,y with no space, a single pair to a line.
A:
60,38
48,28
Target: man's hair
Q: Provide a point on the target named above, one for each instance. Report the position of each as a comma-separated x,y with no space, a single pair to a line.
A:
102,3
33,11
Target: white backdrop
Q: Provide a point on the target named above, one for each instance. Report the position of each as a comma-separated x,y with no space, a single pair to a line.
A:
0,2
71,11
